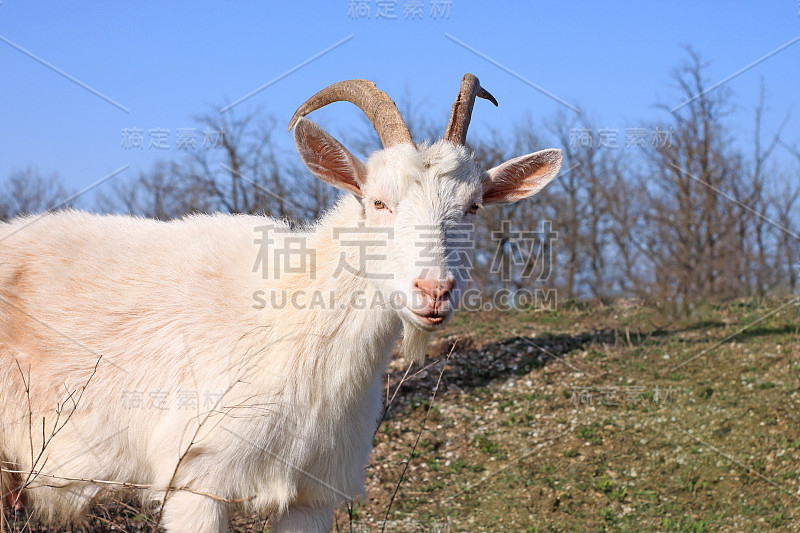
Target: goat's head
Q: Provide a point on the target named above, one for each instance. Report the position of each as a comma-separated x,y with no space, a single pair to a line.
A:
424,194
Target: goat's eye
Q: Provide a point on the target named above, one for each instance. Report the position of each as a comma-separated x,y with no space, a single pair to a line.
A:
379,204
473,209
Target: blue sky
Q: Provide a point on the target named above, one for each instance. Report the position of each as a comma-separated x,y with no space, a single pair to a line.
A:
166,63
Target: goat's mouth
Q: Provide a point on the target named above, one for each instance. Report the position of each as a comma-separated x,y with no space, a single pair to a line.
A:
430,321
426,318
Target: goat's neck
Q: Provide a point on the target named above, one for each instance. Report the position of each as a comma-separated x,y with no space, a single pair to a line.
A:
351,344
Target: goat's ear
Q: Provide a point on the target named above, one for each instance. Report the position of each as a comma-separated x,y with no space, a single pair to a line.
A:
521,177
327,159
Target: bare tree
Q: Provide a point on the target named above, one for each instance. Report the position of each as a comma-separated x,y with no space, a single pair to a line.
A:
516,244
163,193
27,192
694,171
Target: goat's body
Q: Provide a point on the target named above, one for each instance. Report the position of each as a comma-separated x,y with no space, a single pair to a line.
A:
152,315
153,357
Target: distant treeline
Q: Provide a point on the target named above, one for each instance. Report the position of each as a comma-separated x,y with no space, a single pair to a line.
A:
672,210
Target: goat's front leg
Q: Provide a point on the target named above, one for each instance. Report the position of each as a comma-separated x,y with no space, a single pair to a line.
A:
186,512
304,519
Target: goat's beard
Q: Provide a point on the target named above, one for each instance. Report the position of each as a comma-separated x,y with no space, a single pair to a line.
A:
415,343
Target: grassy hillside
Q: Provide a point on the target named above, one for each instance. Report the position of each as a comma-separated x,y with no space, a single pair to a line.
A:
619,418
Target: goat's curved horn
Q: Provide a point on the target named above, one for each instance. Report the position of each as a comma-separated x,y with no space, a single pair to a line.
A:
376,104
456,131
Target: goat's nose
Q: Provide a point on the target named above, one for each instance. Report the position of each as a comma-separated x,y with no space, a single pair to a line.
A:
436,290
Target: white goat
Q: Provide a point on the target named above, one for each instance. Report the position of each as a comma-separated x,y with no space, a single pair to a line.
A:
152,357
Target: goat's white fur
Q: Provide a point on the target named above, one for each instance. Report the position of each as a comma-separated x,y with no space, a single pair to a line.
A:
98,309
